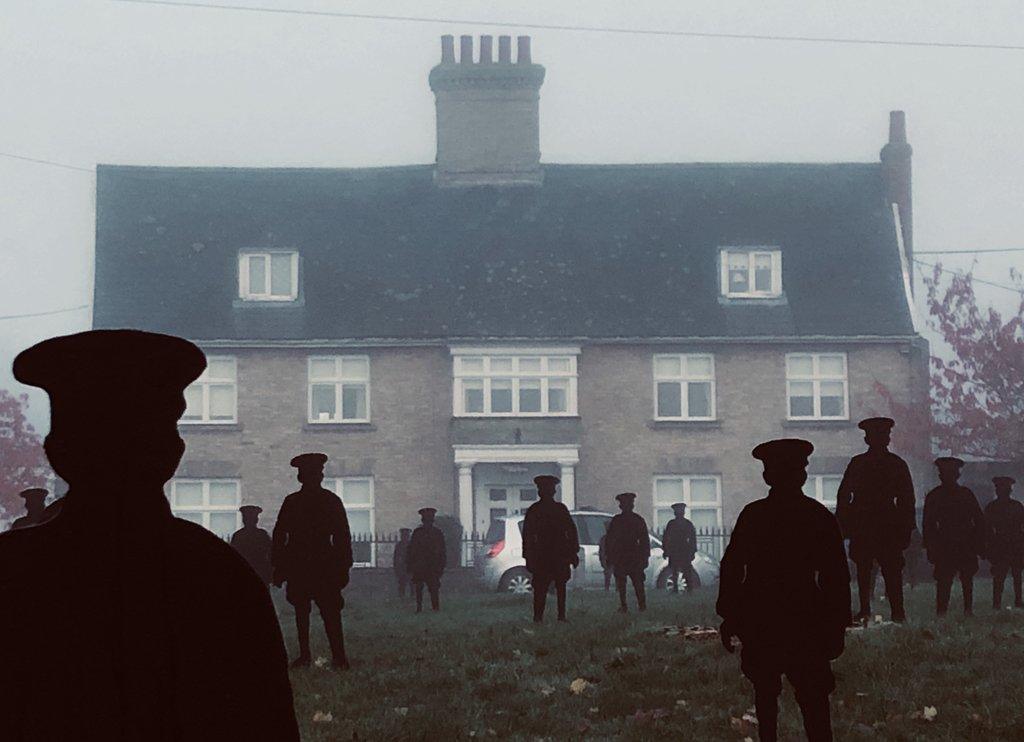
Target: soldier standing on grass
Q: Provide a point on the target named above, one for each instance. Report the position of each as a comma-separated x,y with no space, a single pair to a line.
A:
427,559
550,546
875,508
954,535
679,544
629,550
253,543
312,552
400,561
1005,518
785,592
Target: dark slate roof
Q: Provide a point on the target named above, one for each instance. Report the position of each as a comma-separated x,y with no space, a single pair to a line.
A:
597,251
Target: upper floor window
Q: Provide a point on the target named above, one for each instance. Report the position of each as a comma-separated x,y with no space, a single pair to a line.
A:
702,494
684,387
751,273
339,389
357,495
515,385
268,276
816,386
824,488
212,503
212,397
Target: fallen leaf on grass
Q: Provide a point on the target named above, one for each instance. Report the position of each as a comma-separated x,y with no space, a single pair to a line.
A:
578,685
682,703
546,691
927,633
324,717
528,632
740,725
584,726
321,662
402,710
593,709
929,713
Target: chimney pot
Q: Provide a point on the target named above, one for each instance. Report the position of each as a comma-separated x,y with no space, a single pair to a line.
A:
466,50
897,127
486,44
523,55
504,49
447,49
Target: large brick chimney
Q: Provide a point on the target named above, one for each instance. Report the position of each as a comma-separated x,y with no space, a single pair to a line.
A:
896,155
488,124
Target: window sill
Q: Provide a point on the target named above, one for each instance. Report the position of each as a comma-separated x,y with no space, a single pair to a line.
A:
269,303
363,427
817,424
514,416
747,300
209,427
684,424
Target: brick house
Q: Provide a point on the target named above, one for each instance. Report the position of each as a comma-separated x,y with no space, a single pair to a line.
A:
447,332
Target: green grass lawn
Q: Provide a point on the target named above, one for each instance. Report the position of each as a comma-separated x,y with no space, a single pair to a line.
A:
482,669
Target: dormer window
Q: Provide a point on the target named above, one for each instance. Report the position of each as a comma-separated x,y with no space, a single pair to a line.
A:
268,276
751,273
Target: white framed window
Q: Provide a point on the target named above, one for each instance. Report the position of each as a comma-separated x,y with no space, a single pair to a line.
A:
751,272
684,386
357,495
339,389
824,488
213,397
514,385
272,275
816,386
212,503
702,494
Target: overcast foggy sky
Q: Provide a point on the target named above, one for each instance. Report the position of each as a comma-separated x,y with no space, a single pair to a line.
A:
96,81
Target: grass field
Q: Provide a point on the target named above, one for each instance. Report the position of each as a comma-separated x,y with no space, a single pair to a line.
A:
482,669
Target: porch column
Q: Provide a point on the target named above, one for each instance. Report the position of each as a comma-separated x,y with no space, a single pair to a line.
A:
568,477
466,498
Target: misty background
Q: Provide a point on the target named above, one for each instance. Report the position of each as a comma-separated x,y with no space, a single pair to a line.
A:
101,81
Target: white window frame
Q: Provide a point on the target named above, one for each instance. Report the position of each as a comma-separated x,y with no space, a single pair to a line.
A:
686,480
816,377
204,381
262,293
751,253
545,376
338,382
684,380
206,508
815,488
337,486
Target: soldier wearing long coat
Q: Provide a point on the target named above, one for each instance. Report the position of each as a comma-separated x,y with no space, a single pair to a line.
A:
427,559
550,546
1005,519
679,544
954,532
253,543
628,547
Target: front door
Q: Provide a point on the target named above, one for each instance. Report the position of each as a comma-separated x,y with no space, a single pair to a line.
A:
509,499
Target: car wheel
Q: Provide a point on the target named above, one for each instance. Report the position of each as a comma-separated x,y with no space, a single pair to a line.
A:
516,581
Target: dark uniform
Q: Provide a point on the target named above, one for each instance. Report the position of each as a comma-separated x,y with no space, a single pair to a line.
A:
400,561
602,558
875,508
427,559
147,627
679,544
550,546
1005,519
954,534
785,592
35,507
253,543
312,552
629,550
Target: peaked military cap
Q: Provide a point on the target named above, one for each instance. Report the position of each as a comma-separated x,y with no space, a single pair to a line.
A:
876,423
33,492
678,505
405,530
250,509
949,461
1003,480
427,511
309,461
546,479
623,497
783,451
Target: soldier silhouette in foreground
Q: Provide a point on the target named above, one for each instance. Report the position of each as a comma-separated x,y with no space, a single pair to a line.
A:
785,592
253,543
151,627
629,550
400,561
427,559
312,552
602,558
550,546
1005,519
953,535
35,507
679,544
875,508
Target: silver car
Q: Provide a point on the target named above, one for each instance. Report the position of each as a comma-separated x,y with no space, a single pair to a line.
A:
500,565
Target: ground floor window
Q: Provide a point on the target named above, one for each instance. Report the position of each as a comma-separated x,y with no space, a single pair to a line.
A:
702,494
823,488
212,503
357,495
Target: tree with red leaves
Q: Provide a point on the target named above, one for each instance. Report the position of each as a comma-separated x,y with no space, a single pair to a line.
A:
22,460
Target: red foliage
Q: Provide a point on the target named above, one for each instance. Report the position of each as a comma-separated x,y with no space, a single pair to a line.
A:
22,460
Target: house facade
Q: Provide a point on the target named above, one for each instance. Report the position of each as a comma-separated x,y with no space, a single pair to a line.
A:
447,332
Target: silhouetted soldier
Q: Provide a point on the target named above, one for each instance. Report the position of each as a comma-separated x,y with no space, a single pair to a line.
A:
312,552
427,559
602,558
629,550
875,508
150,627
953,535
785,592
1005,519
679,545
400,561
253,543
550,546
35,507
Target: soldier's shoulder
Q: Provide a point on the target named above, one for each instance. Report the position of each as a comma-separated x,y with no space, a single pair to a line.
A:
193,549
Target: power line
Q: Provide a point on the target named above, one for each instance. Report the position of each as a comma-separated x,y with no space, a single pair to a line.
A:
1014,289
45,162
968,252
42,314
591,29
